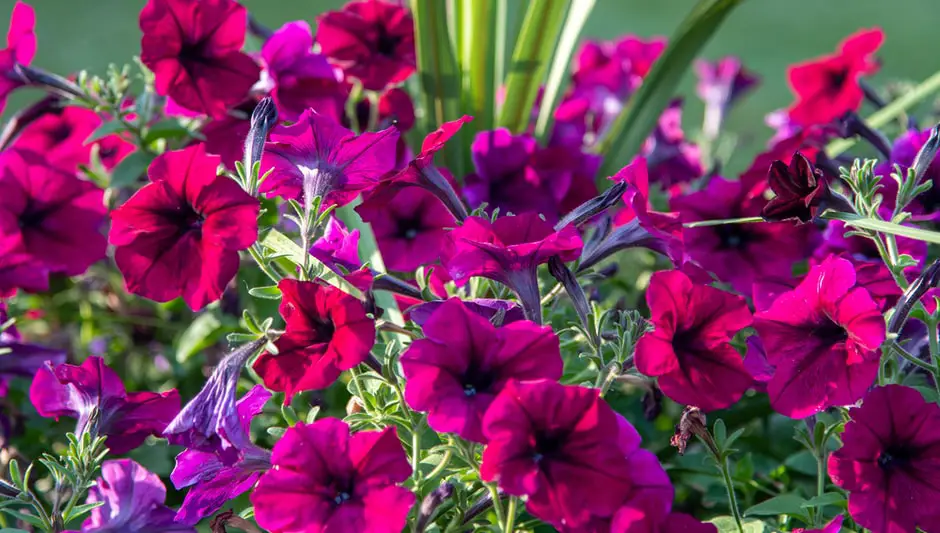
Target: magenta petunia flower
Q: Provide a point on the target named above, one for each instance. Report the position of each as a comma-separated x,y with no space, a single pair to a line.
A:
834,526
463,362
212,480
325,479
888,461
740,254
94,394
554,444
637,520
49,214
372,41
327,333
22,359
337,247
317,156
194,51
180,234
826,88
132,500
21,47
298,78
18,269
689,349
823,338
720,85
488,308
508,250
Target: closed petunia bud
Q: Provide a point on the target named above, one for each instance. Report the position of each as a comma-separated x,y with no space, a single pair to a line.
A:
564,276
430,504
263,118
926,154
594,206
928,279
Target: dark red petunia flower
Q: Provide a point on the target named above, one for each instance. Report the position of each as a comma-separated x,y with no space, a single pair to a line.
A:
372,41
463,362
827,88
889,461
180,234
823,339
327,332
194,50
801,191
225,137
21,47
690,349
49,214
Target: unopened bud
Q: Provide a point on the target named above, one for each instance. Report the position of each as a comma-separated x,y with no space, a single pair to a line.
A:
928,279
263,118
430,504
564,276
594,206
926,154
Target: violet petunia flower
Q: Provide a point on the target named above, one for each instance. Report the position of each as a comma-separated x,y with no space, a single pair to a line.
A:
509,251
464,361
671,158
20,50
94,394
488,308
21,359
211,480
888,461
720,84
316,156
132,499
823,339
337,247
326,479
194,51
19,270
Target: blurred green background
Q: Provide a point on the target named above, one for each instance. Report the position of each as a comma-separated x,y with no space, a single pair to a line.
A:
767,34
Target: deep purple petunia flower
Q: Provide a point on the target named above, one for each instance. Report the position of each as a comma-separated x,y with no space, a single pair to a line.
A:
823,338
133,500
298,78
317,156
325,479
194,50
372,41
690,349
21,358
488,308
463,362
211,480
508,250
800,191
94,394
888,461
21,47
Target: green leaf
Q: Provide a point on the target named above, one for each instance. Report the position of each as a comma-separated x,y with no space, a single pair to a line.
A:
787,504
478,49
277,432
266,293
28,518
829,498
638,118
199,335
881,226
79,510
108,128
130,169
165,129
726,524
281,245
721,432
12,530
534,48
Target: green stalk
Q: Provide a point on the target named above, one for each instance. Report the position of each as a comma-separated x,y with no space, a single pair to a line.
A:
511,514
881,226
732,499
478,61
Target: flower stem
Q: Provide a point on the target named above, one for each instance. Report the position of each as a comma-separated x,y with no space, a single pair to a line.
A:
934,349
497,504
722,222
511,514
732,499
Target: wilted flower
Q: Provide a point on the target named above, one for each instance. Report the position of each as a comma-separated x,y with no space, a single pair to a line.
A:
94,394
325,479
21,47
463,362
802,192
180,234
194,51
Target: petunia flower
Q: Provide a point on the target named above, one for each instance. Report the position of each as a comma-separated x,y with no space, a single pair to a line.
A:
721,83
508,250
325,479
20,50
327,333
132,499
828,87
463,362
194,51
689,349
834,526
55,216
488,308
94,394
298,78
903,153
801,192
180,234
670,157
636,520
888,461
337,247
19,270
211,480
316,156
372,41
554,444
22,359
823,339
210,422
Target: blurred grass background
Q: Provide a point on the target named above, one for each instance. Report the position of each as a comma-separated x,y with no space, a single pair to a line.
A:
767,34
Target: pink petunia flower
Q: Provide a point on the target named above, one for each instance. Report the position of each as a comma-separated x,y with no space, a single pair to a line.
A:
325,479
888,461
508,250
180,234
823,338
317,156
94,394
327,333
372,41
463,362
20,50
194,50
828,87
690,349
49,214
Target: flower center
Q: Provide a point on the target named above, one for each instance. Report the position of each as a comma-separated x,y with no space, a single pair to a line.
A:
837,79
31,217
341,498
548,445
324,330
60,133
186,219
732,236
408,228
193,52
476,380
895,456
386,44
830,333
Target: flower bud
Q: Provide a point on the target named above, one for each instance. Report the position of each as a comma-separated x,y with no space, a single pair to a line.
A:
430,504
594,206
926,154
564,276
435,182
7,490
928,279
263,118
851,125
